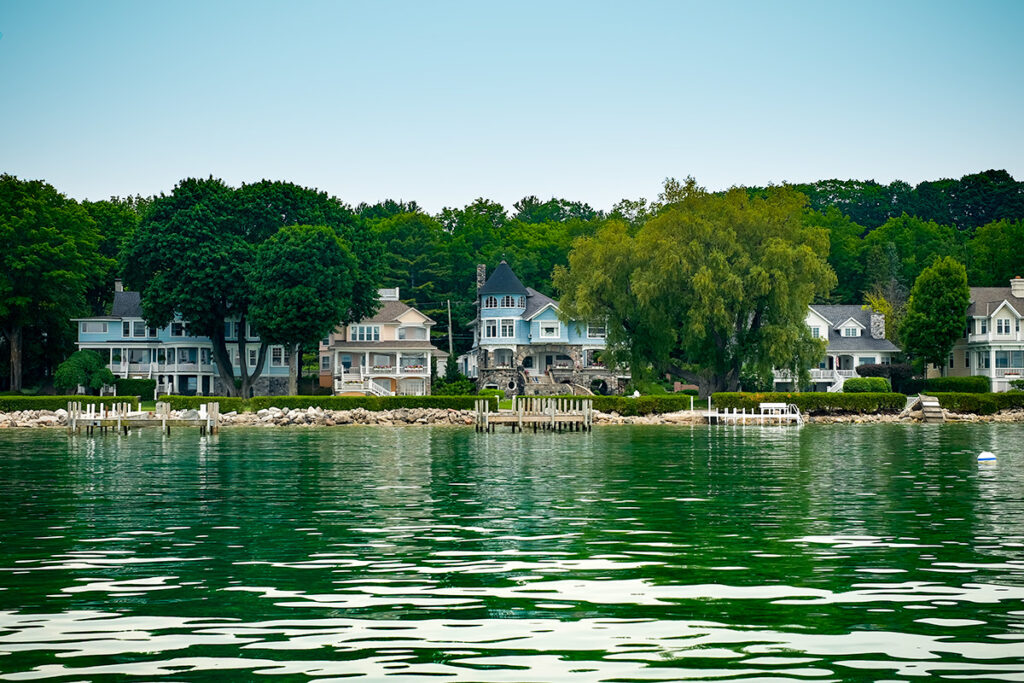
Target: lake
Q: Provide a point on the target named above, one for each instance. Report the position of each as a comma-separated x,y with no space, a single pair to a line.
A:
822,553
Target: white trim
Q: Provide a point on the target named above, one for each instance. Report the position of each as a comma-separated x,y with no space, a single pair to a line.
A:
558,329
543,308
853,320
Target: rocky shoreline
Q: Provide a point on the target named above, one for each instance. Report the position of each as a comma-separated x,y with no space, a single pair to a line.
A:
318,417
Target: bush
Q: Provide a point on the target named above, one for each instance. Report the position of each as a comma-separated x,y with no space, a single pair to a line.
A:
873,370
373,403
980,404
867,385
457,387
491,392
144,388
1017,384
9,404
973,384
815,402
83,368
227,403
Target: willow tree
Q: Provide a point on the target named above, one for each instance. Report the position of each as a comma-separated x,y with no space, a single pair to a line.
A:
713,286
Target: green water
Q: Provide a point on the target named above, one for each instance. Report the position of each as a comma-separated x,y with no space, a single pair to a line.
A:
827,553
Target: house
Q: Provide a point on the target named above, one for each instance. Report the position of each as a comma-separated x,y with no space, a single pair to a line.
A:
179,362
386,354
855,336
522,346
993,344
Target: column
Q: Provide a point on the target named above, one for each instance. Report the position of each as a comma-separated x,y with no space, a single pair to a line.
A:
992,363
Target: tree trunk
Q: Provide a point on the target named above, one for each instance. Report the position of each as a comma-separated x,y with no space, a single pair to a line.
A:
224,367
14,339
245,390
294,367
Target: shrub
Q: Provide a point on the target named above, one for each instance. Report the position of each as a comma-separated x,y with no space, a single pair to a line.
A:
815,402
227,403
83,368
457,387
873,370
9,404
865,385
973,384
962,402
373,403
491,392
1017,384
143,388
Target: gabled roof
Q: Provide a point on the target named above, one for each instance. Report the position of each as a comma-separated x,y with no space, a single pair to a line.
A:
126,305
536,302
853,320
502,281
837,316
389,312
986,300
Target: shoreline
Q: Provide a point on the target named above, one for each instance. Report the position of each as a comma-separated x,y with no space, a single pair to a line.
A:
318,417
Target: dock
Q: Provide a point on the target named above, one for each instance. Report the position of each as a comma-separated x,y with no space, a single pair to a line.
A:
550,414
766,414
119,417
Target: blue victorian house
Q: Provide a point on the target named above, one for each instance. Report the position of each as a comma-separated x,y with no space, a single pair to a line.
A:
522,346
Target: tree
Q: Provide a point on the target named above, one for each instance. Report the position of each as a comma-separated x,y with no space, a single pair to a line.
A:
996,254
937,311
194,255
303,288
84,368
712,286
48,259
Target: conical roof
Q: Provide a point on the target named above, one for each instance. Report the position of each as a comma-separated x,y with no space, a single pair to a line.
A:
502,281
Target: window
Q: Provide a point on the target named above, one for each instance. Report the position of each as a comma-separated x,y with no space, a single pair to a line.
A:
152,332
984,326
161,356
187,356
204,356
364,333
509,301
967,359
950,362
522,302
115,356
138,356
253,357
138,329
230,330
412,333
490,329
491,302
177,329
325,362
508,328
1010,359
816,333
596,331
326,341
93,327
851,332
984,360
1002,359
277,356
249,333
866,360
1002,326
126,329
550,330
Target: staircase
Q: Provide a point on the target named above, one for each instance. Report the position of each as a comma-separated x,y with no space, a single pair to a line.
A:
354,380
837,382
931,411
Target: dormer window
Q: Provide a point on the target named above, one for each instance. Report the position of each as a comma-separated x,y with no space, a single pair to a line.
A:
815,333
1002,326
851,332
491,302
509,301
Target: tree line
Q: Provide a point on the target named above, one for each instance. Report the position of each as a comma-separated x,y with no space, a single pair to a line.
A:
208,250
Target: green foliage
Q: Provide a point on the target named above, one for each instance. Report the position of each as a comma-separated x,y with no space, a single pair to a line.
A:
815,403
451,368
491,392
1017,384
642,405
995,254
980,404
373,403
867,385
10,404
717,283
48,259
228,404
83,368
143,388
972,384
458,387
937,311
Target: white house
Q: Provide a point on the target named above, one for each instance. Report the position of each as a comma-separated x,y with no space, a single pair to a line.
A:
855,336
993,344
386,354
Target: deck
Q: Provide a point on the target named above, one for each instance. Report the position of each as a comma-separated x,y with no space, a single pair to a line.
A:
542,414
119,417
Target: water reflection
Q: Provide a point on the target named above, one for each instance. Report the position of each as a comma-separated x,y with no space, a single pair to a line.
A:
822,553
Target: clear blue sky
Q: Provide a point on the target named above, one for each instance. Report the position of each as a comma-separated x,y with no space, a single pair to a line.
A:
443,102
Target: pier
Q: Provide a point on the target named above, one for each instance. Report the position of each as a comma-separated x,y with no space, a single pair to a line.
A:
551,414
119,417
767,414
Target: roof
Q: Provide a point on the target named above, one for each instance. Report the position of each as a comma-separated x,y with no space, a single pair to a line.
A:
837,314
535,302
985,300
389,312
502,281
126,305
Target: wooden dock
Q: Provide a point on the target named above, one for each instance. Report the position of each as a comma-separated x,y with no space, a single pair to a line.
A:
767,414
119,417
551,414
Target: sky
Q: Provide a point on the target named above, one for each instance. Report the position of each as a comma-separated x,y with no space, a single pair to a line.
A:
443,102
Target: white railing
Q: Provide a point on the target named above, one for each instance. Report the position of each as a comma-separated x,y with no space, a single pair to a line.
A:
378,390
414,369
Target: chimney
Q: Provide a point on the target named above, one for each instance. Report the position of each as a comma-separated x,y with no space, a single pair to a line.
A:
877,325
481,276
118,285
1017,287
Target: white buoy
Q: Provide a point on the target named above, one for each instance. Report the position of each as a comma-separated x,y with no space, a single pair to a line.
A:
986,455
